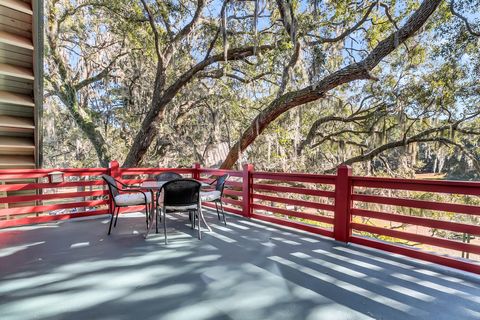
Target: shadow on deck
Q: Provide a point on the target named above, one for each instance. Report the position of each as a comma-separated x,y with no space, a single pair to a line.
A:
246,270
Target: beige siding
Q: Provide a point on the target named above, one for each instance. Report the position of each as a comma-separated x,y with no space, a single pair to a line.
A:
18,82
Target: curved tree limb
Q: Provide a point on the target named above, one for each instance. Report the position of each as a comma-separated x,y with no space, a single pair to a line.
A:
148,129
352,72
419,137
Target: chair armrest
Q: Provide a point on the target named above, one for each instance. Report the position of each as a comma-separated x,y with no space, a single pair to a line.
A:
132,185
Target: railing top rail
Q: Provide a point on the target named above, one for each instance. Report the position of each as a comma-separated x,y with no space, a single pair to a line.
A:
443,186
234,173
39,173
300,177
153,170
418,181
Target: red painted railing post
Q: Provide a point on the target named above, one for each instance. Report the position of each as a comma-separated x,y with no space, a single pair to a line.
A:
247,185
113,167
196,171
112,171
343,203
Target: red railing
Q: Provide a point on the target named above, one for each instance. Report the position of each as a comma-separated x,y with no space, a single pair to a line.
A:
403,216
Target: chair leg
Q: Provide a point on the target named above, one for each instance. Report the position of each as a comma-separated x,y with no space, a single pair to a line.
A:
111,220
147,214
199,225
155,212
165,224
116,218
223,213
192,218
216,207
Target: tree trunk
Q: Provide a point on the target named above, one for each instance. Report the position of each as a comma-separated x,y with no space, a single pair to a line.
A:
161,99
86,125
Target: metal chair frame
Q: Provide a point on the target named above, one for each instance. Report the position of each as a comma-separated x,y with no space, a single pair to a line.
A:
193,213
220,186
114,190
168,176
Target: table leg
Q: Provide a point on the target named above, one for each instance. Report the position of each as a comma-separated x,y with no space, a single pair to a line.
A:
203,218
151,215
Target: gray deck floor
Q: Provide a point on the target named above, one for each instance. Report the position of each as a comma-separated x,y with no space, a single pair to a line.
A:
247,270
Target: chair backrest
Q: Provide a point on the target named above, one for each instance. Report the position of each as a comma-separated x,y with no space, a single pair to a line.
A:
112,185
221,183
168,176
181,192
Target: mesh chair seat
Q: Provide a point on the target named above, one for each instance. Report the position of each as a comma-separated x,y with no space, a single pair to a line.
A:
210,195
132,199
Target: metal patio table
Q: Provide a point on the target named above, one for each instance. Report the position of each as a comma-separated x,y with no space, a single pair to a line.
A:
154,186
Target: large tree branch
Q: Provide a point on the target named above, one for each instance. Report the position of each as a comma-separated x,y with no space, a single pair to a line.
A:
290,24
154,30
363,115
148,130
352,72
185,31
419,137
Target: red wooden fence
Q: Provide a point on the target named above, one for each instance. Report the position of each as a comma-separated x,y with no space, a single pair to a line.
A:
366,211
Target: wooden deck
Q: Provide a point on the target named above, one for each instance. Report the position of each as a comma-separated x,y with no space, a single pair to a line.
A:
246,270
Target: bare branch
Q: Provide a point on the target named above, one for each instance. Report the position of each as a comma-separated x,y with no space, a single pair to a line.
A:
464,19
154,30
99,76
345,33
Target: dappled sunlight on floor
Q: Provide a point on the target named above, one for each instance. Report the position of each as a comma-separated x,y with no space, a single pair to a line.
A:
245,270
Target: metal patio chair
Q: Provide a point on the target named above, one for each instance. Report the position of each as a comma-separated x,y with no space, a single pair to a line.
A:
216,195
126,196
181,195
168,176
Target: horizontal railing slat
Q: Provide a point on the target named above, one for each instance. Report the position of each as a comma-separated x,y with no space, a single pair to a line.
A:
302,203
49,218
53,196
417,254
33,186
233,192
232,201
420,204
226,208
220,172
305,191
295,177
295,214
295,225
35,209
138,171
456,187
438,242
419,221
